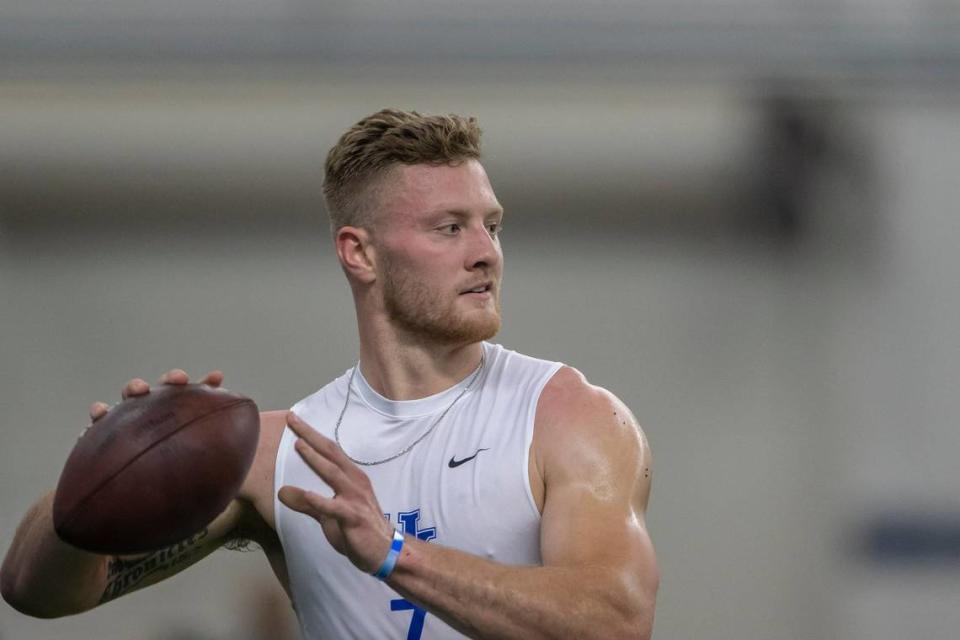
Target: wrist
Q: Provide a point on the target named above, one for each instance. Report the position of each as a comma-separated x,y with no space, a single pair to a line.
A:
386,568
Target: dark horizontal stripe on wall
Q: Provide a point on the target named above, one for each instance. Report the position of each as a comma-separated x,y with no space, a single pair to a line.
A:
912,538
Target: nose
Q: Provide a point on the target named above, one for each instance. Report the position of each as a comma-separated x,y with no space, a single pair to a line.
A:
483,250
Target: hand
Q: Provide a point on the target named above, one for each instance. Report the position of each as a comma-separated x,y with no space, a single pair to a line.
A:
352,519
139,387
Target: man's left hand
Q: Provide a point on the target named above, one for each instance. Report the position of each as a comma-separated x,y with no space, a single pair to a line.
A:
351,519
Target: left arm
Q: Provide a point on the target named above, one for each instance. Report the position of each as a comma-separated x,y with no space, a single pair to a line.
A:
599,577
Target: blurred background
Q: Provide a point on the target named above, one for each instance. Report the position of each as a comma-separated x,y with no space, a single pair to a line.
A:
739,216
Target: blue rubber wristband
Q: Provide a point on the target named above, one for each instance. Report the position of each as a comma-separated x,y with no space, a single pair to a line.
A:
391,561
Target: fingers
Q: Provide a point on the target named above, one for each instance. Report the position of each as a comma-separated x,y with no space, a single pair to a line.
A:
326,457
98,410
310,503
330,473
174,376
135,387
139,386
325,446
352,519
179,376
213,379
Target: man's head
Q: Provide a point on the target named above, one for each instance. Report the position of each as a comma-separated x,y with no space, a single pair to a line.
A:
361,160
416,226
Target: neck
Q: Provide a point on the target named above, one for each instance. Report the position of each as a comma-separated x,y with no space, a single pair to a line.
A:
413,370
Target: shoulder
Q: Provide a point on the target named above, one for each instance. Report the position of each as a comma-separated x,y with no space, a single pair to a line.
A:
582,429
570,403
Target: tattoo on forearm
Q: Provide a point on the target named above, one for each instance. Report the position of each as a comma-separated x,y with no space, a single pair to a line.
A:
125,575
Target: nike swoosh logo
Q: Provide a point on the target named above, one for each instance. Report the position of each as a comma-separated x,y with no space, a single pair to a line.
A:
454,463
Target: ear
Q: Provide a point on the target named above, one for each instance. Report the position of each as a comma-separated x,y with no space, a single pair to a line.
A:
356,253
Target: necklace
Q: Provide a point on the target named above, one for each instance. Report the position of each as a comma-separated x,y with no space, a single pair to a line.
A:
370,463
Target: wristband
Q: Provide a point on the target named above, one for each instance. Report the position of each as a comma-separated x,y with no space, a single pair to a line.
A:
391,561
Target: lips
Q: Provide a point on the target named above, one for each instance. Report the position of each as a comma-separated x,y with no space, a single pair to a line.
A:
480,287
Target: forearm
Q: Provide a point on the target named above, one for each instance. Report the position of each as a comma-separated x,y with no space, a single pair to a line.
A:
42,576
484,599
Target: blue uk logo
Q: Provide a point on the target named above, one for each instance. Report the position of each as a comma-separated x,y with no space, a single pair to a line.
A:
409,522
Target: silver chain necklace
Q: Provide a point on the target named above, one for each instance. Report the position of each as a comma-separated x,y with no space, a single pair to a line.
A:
370,463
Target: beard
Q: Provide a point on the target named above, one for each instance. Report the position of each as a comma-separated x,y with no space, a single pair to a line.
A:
416,309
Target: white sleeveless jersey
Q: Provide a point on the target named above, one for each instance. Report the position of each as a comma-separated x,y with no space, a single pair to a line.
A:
466,486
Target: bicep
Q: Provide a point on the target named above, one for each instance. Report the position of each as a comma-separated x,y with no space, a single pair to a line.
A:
597,478
593,522
125,574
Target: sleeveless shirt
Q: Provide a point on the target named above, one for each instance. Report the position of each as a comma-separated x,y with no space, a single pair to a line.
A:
466,486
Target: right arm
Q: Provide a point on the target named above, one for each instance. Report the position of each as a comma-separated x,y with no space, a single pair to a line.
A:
44,577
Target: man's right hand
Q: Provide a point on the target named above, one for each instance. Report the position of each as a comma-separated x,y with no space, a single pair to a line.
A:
140,387
43,576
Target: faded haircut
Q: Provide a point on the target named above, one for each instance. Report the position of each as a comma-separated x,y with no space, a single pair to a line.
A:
370,148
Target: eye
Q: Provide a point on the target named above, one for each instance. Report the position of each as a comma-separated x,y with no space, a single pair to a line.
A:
451,229
495,228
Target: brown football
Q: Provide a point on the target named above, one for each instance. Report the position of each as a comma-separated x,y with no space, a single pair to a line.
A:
156,469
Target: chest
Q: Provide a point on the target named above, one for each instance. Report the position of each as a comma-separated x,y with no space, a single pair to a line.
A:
465,485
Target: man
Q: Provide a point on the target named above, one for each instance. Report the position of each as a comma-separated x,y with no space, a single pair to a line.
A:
444,486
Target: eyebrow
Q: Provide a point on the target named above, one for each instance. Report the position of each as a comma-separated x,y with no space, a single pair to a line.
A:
463,213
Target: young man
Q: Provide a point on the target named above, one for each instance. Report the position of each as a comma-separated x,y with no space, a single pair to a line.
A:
488,493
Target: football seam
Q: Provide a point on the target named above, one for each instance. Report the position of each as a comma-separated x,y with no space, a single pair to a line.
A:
78,508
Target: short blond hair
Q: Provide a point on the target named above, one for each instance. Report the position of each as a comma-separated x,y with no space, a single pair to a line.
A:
368,150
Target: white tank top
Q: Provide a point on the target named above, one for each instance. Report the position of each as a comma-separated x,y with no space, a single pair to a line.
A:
466,486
